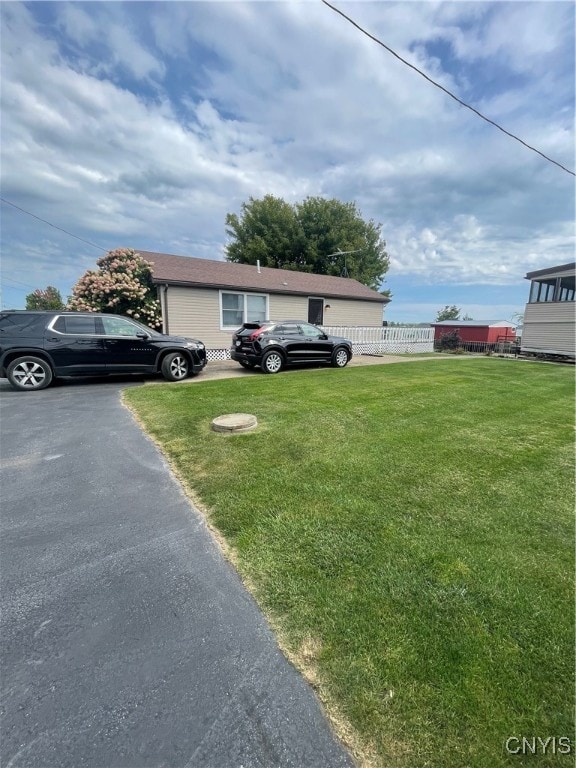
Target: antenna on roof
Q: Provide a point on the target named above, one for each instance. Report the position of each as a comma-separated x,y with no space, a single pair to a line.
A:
344,272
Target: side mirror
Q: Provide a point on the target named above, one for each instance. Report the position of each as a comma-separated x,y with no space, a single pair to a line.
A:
142,335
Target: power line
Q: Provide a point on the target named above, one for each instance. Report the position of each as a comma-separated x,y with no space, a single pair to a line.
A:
99,247
430,80
18,282
15,287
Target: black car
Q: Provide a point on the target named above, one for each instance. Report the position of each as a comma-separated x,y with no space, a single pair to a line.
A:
37,347
272,345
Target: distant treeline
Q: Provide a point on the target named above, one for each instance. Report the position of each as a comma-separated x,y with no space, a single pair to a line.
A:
392,324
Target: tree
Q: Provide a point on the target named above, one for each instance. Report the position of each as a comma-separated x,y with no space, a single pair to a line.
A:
49,298
266,232
121,285
448,313
310,236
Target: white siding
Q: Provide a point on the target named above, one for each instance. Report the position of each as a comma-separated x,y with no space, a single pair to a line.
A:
550,327
285,307
348,312
195,312
351,313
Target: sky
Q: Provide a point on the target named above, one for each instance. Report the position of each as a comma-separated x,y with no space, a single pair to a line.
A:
142,124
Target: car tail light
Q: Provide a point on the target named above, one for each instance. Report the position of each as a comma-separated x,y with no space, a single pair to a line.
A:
254,335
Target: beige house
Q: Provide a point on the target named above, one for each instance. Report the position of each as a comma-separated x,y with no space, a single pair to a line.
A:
211,299
549,317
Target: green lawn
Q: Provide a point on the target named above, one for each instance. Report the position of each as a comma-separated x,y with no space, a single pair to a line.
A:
408,529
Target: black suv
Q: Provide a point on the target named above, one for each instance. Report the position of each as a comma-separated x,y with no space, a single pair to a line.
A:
37,347
272,345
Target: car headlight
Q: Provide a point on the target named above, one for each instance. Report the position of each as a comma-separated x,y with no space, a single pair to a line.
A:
195,345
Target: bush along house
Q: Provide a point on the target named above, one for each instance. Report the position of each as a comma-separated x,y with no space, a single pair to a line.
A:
213,298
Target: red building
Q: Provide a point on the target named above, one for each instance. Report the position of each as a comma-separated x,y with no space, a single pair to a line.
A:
473,331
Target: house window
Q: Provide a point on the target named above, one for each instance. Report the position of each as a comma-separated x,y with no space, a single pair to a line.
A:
553,289
238,308
232,310
566,289
542,290
255,308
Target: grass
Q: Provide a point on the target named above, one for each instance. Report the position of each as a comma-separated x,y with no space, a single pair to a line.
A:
408,529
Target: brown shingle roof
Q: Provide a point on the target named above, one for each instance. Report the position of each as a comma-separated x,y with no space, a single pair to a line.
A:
188,270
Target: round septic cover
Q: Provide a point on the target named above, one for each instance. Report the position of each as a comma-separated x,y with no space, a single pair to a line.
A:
234,422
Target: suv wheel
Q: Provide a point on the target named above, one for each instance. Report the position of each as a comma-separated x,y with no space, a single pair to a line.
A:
272,362
340,358
29,373
175,367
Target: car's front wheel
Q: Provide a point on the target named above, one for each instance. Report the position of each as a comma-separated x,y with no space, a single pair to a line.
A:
272,362
29,373
340,358
175,367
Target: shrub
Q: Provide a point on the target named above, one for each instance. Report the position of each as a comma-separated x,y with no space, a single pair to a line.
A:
122,285
449,341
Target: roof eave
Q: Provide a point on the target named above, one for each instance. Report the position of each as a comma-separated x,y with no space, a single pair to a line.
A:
217,286
570,267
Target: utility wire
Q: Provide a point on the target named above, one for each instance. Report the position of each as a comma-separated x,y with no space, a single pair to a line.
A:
9,287
462,103
99,247
12,280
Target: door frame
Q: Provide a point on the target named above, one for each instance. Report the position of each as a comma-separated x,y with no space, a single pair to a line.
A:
310,318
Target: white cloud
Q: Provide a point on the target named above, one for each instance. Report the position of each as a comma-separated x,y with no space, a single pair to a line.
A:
450,254
77,24
133,124
109,28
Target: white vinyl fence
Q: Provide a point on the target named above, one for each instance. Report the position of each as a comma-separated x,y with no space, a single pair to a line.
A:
369,341
385,341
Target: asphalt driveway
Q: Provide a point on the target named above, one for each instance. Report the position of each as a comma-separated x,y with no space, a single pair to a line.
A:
127,639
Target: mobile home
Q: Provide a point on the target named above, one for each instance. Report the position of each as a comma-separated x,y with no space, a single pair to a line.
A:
549,317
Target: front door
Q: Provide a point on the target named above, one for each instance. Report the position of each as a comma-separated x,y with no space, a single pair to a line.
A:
316,311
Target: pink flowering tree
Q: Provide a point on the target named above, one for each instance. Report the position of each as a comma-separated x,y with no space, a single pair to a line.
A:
47,298
122,285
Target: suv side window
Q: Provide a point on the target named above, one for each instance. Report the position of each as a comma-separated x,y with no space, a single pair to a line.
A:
80,325
289,328
311,331
14,324
118,326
